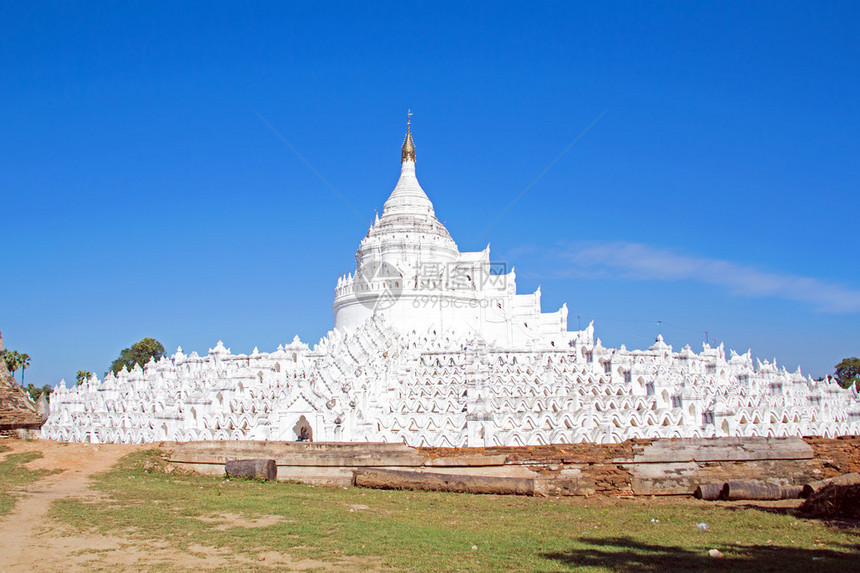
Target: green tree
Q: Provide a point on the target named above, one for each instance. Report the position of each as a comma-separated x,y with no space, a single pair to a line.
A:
848,372
83,375
10,357
139,353
15,360
35,392
24,362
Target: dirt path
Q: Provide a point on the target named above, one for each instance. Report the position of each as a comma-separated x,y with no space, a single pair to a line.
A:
25,535
30,540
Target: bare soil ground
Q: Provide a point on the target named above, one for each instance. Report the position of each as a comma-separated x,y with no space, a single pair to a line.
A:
30,540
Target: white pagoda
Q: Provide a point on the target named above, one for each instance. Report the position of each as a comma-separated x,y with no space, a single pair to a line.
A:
410,271
434,347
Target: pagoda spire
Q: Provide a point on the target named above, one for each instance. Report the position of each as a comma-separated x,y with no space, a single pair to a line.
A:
408,151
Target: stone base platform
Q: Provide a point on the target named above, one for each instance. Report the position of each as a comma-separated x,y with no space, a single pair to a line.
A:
640,467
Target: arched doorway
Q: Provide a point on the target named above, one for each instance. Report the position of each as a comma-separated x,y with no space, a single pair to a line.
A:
303,430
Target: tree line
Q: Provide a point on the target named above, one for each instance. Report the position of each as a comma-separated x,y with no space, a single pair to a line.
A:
138,353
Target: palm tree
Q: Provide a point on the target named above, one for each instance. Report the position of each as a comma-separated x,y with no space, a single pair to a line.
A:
15,360
24,362
12,360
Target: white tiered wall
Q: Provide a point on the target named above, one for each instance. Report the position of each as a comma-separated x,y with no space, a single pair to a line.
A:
378,384
433,347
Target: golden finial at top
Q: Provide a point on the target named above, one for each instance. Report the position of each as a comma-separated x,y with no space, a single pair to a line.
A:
408,151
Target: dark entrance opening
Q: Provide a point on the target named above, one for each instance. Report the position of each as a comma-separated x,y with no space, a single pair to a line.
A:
303,430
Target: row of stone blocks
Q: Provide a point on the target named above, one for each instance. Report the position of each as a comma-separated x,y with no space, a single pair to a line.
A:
644,467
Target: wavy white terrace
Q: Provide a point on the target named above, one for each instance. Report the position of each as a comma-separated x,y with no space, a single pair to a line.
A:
435,347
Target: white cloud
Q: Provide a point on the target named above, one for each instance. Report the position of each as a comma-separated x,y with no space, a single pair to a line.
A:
633,261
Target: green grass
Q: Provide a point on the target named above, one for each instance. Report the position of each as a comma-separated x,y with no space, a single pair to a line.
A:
13,474
426,531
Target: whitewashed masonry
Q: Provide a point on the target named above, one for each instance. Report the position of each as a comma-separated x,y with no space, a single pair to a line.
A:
434,347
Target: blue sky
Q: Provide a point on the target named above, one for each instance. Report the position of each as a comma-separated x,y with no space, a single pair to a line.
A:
716,189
